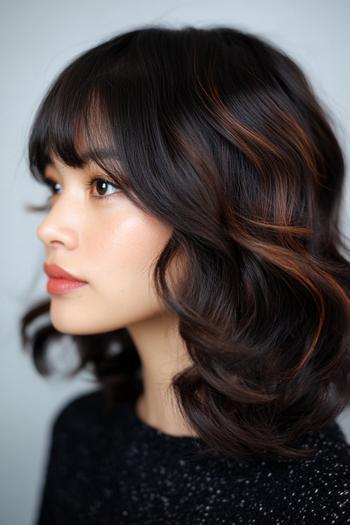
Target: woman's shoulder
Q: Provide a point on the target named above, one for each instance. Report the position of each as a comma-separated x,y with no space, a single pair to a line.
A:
305,491
315,489
324,481
77,411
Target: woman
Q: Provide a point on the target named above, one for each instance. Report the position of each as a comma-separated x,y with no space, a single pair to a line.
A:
194,257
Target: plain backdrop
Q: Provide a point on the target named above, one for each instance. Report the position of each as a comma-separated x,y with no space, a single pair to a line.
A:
38,38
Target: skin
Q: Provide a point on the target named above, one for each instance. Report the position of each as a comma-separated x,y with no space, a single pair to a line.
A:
112,244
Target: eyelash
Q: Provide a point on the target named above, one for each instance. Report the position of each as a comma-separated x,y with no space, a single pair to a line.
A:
50,183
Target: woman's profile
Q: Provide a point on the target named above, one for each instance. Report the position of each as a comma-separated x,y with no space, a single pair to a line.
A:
195,259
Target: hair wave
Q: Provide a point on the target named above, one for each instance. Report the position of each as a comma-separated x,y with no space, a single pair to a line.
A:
218,133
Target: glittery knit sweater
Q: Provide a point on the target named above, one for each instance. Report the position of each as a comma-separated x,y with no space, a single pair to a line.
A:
119,470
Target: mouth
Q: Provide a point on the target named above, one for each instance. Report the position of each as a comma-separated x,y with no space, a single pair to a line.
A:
60,281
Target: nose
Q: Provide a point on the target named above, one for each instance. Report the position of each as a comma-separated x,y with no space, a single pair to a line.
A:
58,228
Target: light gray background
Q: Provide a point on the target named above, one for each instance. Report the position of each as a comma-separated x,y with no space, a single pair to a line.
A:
38,38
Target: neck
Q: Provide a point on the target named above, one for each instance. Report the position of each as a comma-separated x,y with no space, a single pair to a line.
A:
162,354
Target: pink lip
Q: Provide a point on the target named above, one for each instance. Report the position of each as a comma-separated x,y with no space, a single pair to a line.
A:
60,281
56,272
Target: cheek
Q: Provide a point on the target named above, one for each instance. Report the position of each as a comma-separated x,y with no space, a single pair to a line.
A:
123,254
118,255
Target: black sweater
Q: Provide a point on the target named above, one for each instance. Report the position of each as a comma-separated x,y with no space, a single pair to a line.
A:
119,470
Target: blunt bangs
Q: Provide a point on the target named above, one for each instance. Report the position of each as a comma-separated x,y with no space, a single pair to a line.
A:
100,109
74,123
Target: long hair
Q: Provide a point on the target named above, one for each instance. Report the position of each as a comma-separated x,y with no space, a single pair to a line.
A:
218,133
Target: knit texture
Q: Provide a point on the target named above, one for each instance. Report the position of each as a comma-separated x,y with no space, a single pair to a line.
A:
118,470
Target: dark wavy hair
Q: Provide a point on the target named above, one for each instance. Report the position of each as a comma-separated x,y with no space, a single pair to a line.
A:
218,133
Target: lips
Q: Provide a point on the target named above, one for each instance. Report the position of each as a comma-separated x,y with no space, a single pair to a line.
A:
53,271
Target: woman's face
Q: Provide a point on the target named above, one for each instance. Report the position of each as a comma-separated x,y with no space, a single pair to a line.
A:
108,242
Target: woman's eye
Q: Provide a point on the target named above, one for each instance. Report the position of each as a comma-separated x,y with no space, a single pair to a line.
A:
100,184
